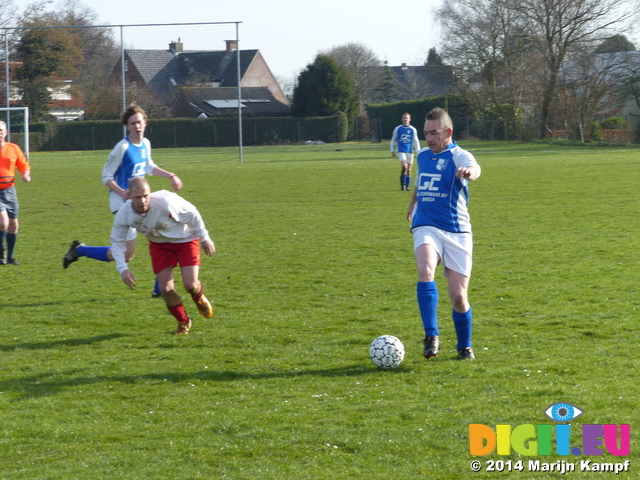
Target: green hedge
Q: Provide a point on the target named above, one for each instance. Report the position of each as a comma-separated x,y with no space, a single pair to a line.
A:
188,132
390,114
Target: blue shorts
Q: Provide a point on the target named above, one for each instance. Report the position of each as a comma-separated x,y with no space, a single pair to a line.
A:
9,202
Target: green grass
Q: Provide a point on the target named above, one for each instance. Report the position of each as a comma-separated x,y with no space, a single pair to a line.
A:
314,261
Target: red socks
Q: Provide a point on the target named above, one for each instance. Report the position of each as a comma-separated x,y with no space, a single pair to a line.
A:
197,296
179,312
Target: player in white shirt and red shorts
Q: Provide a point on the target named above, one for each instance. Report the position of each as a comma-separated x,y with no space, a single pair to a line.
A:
175,231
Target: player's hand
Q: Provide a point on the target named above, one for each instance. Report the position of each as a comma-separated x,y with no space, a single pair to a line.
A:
26,177
410,210
468,173
129,279
209,247
176,183
393,154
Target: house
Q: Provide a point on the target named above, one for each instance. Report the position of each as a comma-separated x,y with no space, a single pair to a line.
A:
424,80
63,105
166,72
223,102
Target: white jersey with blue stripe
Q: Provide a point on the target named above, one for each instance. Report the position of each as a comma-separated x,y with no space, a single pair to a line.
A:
406,138
441,197
126,160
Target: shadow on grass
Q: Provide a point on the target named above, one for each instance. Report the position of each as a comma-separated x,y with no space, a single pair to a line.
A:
43,385
50,304
71,342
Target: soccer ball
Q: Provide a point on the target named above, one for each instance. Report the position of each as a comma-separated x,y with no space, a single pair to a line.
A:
386,352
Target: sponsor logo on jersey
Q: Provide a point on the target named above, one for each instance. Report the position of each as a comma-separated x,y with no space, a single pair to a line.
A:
427,181
442,163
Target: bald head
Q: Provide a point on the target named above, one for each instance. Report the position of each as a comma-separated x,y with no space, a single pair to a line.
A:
137,182
139,193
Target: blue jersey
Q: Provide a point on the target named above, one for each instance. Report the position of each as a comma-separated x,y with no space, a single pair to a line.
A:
126,161
406,139
441,197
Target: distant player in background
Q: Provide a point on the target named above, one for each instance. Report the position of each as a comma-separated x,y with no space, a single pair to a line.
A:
405,141
175,231
130,158
11,157
441,230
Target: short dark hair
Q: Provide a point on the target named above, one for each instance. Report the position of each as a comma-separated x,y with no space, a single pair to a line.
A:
132,110
441,115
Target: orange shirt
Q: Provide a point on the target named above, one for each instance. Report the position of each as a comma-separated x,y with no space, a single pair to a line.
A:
11,156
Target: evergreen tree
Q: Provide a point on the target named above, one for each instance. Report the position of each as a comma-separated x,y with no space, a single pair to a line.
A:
323,89
388,90
614,44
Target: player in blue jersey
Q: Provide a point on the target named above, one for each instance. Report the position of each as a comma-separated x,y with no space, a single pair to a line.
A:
442,230
130,158
405,141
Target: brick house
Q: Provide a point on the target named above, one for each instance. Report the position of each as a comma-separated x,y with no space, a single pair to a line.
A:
165,73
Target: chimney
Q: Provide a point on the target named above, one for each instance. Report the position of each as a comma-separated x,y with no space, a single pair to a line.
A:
176,47
231,45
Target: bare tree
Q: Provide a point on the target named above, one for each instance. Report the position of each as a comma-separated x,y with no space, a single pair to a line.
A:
364,69
7,13
558,27
588,88
486,42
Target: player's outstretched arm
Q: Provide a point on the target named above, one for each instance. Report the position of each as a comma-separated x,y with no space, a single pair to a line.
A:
468,173
174,179
129,279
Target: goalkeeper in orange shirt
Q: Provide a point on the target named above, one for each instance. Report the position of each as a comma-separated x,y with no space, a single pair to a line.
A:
11,156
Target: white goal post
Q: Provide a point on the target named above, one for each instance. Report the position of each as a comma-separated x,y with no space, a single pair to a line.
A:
25,135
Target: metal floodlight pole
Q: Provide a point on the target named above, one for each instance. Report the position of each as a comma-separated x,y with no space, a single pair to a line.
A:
239,77
124,85
6,82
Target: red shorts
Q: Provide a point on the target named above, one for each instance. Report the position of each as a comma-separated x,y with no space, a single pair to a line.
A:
167,254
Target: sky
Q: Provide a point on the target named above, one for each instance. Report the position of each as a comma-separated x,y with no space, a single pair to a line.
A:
288,33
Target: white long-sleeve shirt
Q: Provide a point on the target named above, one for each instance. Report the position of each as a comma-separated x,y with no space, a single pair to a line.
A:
170,218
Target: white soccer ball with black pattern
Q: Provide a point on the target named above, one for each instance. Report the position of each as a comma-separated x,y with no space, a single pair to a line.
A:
386,352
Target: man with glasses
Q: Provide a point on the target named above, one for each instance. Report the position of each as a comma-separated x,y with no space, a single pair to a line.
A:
442,230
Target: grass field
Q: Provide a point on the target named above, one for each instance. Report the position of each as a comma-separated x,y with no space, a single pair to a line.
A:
314,261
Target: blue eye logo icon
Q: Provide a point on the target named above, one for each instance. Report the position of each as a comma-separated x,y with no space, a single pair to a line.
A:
563,412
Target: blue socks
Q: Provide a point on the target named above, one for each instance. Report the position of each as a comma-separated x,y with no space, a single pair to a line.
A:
407,182
462,323
97,253
427,294
156,288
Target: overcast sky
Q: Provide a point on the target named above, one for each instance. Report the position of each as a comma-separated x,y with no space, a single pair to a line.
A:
288,33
